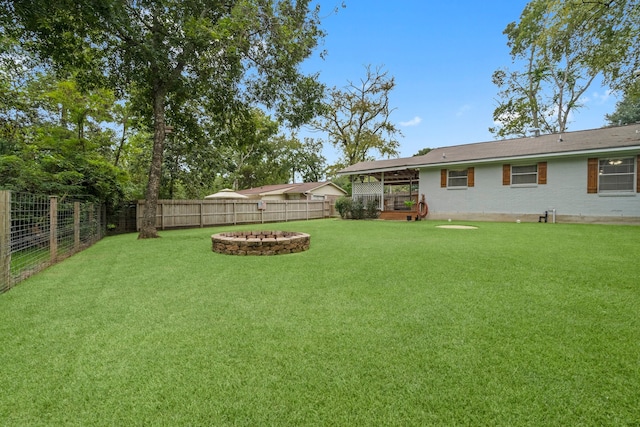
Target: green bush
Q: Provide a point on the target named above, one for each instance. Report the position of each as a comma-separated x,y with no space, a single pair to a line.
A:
356,209
372,211
343,206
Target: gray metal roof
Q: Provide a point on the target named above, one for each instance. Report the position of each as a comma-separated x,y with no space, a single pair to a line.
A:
604,140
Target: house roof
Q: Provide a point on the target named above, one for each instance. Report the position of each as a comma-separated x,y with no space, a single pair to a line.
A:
226,193
609,140
301,188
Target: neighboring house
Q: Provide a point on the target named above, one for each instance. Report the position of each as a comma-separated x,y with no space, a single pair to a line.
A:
304,191
583,176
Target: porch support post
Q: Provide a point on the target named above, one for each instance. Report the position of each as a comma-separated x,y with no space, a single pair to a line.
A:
382,193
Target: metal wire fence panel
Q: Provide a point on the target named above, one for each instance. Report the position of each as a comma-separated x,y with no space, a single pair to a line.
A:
40,230
30,236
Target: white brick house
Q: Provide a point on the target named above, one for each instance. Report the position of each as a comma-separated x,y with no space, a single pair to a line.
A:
583,176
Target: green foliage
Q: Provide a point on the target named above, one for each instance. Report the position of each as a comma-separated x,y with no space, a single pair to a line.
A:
86,85
422,152
342,181
306,159
409,203
343,206
559,48
372,209
357,118
55,143
186,64
627,111
357,209
391,324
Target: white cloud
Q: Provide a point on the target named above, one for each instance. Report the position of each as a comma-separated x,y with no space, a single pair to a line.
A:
603,97
463,109
413,122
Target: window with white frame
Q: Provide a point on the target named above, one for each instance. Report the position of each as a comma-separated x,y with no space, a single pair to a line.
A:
524,174
457,178
616,175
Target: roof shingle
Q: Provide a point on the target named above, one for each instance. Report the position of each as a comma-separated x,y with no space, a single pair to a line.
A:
552,145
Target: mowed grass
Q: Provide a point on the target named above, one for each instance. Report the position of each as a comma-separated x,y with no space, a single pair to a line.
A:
379,323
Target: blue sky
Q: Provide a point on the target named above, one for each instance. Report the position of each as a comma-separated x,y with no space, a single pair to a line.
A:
442,55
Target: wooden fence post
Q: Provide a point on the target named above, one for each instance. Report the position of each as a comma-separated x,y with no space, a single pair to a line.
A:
160,205
5,240
140,207
76,226
53,228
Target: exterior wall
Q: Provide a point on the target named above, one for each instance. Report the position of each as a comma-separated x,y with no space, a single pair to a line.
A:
327,190
294,196
565,191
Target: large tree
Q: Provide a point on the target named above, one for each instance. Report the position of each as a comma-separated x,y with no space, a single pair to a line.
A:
306,160
51,141
627,109
357,118
559,47
206,54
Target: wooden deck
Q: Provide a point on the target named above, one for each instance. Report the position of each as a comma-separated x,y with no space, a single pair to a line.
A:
398,215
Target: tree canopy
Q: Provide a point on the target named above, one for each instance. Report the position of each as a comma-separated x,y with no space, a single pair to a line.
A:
180,64
356,118
627,111
559,47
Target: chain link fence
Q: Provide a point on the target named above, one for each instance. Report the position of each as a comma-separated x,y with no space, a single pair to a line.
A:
37,231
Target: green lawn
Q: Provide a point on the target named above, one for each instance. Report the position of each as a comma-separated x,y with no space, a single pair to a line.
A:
379,323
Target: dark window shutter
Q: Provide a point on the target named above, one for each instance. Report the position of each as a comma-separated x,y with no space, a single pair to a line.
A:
542,173
443,178
592,175
506,174
638,174
470,177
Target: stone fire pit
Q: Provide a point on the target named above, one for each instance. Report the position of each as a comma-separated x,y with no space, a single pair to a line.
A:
260,242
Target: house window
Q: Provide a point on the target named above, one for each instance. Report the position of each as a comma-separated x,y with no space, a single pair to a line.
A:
616,175
524,174
457,178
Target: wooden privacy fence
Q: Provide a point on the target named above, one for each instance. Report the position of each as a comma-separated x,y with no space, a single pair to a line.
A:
206,213
37,231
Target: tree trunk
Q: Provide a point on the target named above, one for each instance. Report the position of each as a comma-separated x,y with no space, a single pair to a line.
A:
125,119
148,226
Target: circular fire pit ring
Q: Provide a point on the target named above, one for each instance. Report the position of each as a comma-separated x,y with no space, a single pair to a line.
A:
260,242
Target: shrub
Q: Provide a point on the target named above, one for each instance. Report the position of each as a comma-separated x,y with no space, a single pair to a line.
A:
343,206
372,211
357,209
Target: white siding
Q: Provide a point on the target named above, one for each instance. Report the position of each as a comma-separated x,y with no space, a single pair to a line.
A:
565,191
327,190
